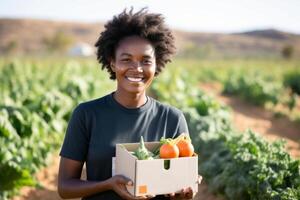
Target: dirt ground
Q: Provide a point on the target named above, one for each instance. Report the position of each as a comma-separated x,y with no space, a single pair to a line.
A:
262,121
244,116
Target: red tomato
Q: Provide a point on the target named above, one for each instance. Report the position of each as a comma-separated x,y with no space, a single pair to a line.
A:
168,150
186,149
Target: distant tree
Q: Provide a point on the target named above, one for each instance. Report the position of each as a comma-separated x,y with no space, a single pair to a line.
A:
60,42
287,51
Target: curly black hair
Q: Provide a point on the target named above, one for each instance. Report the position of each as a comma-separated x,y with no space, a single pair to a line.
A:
149,26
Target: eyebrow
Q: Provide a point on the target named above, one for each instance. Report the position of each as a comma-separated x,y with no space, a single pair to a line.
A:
127,54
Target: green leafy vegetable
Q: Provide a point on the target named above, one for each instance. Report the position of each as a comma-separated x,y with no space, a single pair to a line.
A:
142,153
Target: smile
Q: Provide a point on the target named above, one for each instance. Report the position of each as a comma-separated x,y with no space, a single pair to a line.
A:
134,79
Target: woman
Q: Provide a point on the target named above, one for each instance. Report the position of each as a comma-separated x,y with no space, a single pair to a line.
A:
133,48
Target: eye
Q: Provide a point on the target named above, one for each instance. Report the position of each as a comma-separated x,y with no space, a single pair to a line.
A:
125,60
147,62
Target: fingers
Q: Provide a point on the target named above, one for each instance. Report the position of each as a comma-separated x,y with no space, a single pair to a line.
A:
146,197
129,183
124,180
199,179
172,196
150,196
187,193
119,184
122,191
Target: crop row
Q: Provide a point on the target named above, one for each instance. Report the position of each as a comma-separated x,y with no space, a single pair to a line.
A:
35,104
235,165
272,84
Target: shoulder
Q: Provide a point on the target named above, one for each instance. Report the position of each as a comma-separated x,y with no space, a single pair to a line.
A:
162,107
91,105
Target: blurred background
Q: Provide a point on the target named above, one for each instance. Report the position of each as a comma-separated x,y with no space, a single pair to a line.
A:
203,29
236,72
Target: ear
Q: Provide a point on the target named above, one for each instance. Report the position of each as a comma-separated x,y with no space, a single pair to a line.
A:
112,65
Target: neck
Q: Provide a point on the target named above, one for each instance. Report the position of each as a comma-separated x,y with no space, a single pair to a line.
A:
130,100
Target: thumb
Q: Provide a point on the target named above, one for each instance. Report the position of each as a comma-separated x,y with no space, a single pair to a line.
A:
124,180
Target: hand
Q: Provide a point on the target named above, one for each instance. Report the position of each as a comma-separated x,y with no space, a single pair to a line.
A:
118,184
186,193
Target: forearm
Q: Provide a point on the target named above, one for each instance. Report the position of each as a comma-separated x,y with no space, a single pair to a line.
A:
75,188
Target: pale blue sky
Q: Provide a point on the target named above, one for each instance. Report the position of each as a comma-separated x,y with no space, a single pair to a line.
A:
192,15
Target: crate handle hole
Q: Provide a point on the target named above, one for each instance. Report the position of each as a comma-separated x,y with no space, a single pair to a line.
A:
167,164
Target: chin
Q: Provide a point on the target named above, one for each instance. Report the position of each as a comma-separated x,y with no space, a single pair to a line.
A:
136,90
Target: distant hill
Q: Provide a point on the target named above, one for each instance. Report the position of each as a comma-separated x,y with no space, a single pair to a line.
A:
257,43
28,36
271,34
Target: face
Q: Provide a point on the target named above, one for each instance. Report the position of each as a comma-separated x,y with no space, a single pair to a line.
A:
134,65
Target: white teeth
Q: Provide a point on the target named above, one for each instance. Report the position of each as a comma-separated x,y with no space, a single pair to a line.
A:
134,79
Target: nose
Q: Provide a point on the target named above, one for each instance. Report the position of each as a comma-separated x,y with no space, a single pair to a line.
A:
137,65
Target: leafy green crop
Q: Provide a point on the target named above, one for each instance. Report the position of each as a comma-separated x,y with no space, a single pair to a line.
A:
292,80
254,87
238,166
244,166
34,110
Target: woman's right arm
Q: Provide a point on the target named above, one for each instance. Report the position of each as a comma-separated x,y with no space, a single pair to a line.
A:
70,185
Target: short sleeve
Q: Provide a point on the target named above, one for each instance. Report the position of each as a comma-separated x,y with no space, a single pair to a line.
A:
182,127
75,145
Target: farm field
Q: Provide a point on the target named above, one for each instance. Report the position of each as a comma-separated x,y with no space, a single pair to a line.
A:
48,176
38,97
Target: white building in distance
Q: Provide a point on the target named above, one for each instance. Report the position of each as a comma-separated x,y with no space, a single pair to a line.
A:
81,49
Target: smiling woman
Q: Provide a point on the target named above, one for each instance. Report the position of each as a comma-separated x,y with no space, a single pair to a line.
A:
134,66
133,48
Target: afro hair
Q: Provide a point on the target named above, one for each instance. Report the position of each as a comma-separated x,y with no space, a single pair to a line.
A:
143,24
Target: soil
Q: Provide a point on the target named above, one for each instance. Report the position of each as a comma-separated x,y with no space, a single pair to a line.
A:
245,116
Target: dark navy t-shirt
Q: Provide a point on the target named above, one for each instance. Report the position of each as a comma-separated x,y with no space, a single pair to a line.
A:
98,125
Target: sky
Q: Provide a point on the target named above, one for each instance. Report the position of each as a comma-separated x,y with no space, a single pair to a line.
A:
222,16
